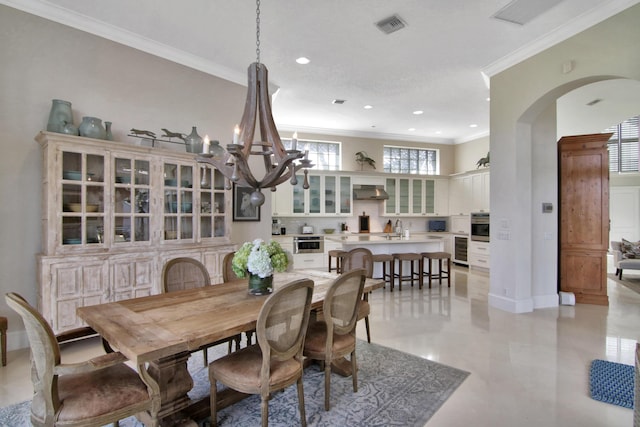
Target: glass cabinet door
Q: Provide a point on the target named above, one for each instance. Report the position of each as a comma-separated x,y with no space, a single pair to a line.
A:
390,204
298,197
82,198
131,216
330,194
178,201
403,195
212,206
429,196
345,195
314,194
416,196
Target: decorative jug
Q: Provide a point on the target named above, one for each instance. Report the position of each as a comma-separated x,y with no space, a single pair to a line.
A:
91,127
193,142
59,116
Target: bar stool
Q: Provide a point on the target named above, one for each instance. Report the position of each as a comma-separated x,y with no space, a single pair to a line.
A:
442,274
338,255
386,260
412,258
3,336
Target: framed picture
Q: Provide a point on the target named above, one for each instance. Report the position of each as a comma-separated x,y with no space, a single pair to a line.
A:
243,210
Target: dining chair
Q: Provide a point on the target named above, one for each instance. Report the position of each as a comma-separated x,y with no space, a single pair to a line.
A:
276,361
361,258
98,391
227,271
334,337
188,273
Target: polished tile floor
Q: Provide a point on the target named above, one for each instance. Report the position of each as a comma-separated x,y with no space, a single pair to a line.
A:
527,370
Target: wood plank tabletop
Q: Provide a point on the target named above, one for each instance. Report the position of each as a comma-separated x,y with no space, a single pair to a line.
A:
157,326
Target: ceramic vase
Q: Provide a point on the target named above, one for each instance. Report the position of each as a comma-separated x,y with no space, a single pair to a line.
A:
109,135
193,142
260,285
91,127
59,116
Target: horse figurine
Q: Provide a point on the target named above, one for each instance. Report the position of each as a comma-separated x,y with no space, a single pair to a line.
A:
484,161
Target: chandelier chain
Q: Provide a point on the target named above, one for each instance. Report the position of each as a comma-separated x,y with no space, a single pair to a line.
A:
258,31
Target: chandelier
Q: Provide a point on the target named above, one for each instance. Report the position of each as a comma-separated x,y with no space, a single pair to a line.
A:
280,164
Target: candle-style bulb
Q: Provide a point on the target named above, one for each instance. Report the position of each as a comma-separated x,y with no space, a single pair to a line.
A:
236,134
206,145
294,141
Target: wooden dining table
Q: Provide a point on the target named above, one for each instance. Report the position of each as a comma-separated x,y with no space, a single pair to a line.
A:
162,331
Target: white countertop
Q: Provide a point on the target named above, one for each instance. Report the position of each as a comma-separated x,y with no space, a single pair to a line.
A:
351,239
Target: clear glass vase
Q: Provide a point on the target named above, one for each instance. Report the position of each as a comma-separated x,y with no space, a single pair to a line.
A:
260,285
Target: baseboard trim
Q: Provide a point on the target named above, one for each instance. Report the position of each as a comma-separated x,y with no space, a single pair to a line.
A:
511,305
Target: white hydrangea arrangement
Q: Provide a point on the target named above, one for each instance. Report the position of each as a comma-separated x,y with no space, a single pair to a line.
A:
259,258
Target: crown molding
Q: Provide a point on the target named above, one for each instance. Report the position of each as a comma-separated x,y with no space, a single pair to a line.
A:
364,134
571,28
93,26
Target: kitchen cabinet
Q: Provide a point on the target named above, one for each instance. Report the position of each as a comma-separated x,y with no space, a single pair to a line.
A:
113,214
469,193
416,196
479,255
328,194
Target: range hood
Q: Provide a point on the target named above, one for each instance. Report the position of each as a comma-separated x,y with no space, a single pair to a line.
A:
369,192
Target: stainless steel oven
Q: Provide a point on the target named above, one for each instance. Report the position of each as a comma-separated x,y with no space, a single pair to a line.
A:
480,226
308,244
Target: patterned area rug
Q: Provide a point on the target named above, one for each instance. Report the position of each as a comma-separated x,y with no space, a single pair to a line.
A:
394,389
612,382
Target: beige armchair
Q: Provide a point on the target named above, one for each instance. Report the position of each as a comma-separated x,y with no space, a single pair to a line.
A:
99,391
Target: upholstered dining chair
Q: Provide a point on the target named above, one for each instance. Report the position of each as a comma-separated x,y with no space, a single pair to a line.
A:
227,271
98,391
361,258
334,337
276,361
188,273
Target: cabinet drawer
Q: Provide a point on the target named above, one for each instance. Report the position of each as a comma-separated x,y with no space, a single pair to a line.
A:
308,261
477,260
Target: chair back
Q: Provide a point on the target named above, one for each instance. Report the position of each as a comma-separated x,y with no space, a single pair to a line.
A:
283,320
359,258
45,352
341,302
184,273
227,270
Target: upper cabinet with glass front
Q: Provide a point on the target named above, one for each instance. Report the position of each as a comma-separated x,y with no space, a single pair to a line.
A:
104,195
328,194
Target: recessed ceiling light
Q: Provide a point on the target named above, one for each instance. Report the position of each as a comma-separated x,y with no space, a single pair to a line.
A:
411,129
368,107
473,126
302,60
438,132
418,112
488,99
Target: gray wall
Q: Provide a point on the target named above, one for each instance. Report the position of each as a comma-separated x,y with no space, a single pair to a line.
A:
42,60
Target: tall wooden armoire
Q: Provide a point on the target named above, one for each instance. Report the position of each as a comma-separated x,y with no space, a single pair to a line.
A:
584,216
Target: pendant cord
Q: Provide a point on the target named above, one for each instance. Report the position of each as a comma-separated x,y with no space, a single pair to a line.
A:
258,32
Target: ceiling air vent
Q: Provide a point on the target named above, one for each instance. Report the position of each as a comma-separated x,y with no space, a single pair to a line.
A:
391,24
338,101
522,11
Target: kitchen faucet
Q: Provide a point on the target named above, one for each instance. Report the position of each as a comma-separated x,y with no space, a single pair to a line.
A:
399,227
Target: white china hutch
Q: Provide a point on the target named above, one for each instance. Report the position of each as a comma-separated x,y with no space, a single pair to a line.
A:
113,213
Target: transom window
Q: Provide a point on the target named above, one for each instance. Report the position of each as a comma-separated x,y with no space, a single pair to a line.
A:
325,155
623,146
410,160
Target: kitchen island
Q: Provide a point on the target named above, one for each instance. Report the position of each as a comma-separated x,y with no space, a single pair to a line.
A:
387,244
